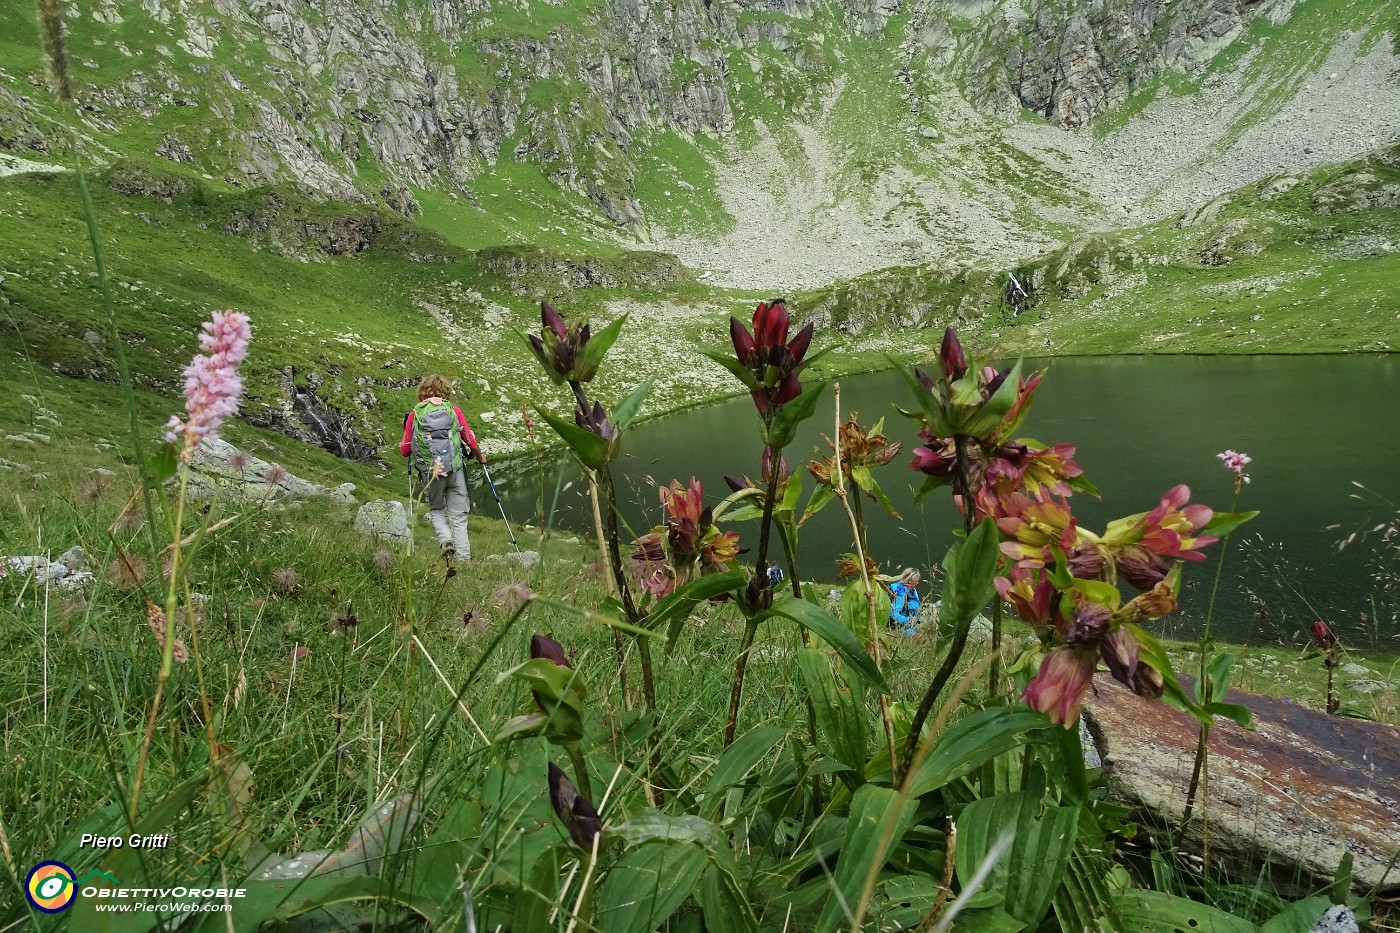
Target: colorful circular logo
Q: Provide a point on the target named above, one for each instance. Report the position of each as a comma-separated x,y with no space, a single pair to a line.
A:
50,887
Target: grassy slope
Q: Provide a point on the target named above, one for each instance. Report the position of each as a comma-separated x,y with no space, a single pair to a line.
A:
1296,281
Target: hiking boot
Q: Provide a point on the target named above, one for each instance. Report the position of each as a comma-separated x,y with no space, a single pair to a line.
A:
449,551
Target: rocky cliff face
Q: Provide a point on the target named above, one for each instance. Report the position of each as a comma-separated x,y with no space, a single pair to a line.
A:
360,100
1069,62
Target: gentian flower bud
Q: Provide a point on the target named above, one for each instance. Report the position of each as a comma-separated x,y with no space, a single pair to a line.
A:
1087,623
1148,682
1119,651
783,471
542,646
1141,567
1058,687
1323,635
951,353
576,812
770,324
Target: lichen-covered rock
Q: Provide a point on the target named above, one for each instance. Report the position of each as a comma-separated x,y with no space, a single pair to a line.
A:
218,470
1290,799
385,518
526,559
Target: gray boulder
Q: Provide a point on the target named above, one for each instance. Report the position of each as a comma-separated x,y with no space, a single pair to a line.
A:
385,518
526,559
1290,799
218,470
42,569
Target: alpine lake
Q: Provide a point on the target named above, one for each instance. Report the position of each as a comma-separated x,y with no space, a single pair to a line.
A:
1323,433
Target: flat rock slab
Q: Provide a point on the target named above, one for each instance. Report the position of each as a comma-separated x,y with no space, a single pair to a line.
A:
1295,796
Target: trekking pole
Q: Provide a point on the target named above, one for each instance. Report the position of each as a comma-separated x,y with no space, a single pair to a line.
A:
497,496
409,505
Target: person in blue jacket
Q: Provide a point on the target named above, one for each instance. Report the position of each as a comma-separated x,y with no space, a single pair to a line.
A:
905,602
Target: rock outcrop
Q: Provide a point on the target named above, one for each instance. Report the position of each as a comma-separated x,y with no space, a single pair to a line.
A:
1289,800
218,470
383,518
1069,62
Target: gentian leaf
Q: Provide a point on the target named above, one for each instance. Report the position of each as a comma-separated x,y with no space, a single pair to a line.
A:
627,409
740,371
1222,523
829,628
1241,715
592,451
989,415
820,497
1151,653
597,347
789,416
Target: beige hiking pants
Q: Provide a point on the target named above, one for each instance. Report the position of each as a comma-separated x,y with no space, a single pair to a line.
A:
448,505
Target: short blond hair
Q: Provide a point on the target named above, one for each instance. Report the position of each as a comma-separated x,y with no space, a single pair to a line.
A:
910,576
434,386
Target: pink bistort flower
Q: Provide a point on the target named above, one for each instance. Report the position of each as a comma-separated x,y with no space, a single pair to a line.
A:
1235,463
212,383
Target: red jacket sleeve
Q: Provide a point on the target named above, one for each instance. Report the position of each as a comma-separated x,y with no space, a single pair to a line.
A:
467,434
406,445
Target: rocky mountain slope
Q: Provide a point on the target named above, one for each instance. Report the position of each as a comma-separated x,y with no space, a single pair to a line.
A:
390,188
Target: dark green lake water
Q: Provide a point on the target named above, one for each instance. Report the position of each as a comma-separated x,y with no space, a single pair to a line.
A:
1314,426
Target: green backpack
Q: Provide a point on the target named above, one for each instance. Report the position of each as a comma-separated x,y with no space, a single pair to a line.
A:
436,437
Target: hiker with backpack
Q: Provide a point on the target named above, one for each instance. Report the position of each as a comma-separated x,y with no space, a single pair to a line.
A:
905,602
434,435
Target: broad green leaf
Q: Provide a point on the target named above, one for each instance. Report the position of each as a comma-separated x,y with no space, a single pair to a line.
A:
1298,917
820,497
791,493
827,627
1097,591
1218,677
647,885
865,479
162,466
877,822
976,739
597,347
929,405
1151,653
1083,900
996,408
723,903
1240,715
1068,770
681,602
1043,838
1159,912
522,727
1222,523
840,711
969,583
788,417
540,896
592,451
740,371
737,761
901,902
286,900
930,484
655,826
627,409
855,611
560,690
987,920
